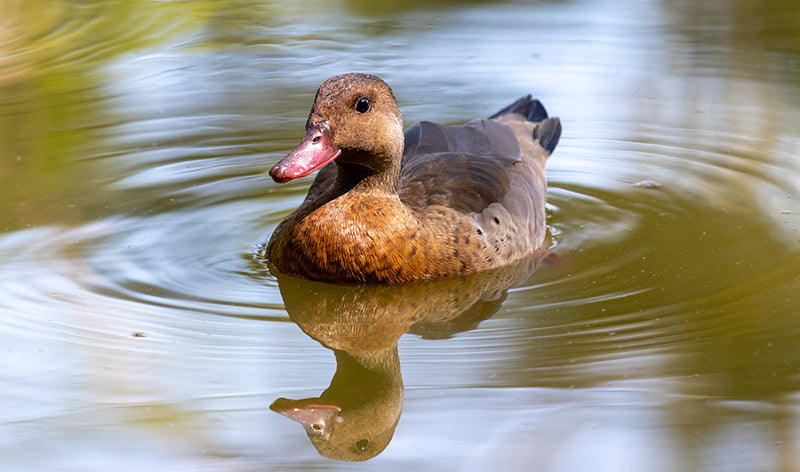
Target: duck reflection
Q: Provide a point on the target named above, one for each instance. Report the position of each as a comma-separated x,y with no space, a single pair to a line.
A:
354,419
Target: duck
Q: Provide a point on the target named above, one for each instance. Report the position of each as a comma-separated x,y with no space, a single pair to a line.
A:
390,207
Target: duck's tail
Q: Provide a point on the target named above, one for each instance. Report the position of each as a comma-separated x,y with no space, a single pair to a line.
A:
547,133
548,130
531,109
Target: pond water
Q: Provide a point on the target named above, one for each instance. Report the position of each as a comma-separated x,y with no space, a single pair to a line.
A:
139,333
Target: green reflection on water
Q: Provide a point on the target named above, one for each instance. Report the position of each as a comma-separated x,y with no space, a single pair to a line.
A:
53,88
51,97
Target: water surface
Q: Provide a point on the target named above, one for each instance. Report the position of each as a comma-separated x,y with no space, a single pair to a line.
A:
140,334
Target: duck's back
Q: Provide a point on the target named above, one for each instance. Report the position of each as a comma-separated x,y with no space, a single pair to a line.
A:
491,172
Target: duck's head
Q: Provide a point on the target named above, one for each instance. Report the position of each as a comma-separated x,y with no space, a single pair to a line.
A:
355,120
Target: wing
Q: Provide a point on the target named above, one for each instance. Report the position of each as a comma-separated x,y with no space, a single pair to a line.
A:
479,137
465,168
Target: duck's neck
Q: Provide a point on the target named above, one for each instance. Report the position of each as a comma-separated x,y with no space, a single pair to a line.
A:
355,177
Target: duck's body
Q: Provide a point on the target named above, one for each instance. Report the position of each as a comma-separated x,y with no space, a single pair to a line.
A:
434,202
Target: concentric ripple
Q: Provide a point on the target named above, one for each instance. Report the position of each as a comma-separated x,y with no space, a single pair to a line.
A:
663,249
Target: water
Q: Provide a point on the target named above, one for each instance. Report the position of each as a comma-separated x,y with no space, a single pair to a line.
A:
139,333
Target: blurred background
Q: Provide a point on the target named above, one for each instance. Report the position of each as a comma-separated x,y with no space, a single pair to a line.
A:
138,333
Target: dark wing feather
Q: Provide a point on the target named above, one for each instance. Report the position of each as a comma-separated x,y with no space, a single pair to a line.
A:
531,109
464,182
480,137
462,167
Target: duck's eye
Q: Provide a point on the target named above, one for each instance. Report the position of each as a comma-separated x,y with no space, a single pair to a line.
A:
362,105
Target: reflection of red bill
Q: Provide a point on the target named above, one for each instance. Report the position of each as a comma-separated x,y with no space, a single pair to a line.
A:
315,150
316,418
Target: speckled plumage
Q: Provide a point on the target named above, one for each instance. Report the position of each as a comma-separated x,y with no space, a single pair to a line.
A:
435,201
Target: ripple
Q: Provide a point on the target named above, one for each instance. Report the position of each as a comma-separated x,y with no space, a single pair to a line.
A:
48,39
651,270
